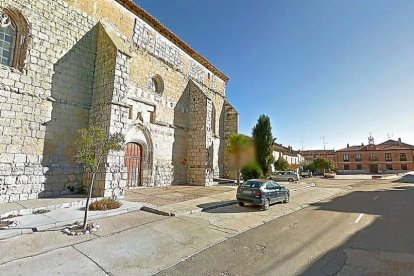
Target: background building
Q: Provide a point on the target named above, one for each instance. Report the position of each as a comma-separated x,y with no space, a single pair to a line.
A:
66,65
310,155
388,157
293,157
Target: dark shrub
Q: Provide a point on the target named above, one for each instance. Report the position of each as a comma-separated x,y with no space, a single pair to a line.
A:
104,204
252,171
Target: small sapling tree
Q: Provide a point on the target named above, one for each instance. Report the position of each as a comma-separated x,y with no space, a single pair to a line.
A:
92,146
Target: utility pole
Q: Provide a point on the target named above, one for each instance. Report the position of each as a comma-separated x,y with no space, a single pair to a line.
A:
323,141
301,142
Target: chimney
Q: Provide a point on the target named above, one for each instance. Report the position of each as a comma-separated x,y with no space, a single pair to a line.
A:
399,141
347,145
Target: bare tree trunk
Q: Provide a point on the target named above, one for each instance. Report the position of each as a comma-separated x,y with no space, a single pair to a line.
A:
85,219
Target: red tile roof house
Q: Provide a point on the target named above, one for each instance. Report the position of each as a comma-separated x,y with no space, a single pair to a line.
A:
388,157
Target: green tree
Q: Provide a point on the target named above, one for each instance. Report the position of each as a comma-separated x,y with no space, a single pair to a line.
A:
252,171
92,146
281,164
322,164
263,141
237,146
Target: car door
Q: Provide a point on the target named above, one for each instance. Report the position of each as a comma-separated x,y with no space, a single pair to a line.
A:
271,191
278,176
279,194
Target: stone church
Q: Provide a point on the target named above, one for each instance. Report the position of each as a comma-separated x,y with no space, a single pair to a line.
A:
70,64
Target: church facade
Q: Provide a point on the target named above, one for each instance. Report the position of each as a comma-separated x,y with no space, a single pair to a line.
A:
71,64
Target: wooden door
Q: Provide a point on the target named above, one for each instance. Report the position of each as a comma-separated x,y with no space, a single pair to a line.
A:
133,162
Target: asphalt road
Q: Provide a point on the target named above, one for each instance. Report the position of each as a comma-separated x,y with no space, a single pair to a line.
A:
367,230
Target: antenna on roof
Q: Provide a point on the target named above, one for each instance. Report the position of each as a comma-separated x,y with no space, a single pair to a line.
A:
370,139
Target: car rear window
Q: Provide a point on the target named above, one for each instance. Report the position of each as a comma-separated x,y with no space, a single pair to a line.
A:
252,184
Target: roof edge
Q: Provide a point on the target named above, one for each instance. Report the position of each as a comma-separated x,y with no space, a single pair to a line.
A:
158,26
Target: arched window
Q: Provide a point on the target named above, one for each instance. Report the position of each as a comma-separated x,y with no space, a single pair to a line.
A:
14,34
156,84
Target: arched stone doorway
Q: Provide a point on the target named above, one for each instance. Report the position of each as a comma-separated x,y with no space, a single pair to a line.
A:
134,153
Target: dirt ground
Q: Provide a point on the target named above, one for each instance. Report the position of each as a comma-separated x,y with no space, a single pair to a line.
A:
173,194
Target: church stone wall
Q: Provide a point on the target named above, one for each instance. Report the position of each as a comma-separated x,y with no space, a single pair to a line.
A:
41,105
90,62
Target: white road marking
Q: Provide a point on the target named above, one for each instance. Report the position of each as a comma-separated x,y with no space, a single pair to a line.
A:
375,198
359,218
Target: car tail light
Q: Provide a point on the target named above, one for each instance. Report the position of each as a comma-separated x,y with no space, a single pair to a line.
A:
258,194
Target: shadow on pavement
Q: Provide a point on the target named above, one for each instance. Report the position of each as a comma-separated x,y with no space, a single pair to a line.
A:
231,207
408,178
384,247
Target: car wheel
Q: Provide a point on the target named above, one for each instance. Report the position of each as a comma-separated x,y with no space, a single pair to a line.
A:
286,199
240,203
290,179
266,204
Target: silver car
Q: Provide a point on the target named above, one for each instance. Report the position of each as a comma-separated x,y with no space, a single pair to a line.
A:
285,176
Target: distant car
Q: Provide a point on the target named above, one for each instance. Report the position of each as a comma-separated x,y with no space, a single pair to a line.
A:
261,192
306,174
285,176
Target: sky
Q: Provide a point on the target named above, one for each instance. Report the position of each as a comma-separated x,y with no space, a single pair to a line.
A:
334,69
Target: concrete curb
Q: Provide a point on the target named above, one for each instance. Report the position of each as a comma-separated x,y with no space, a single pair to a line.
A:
231,202
29,211
156,211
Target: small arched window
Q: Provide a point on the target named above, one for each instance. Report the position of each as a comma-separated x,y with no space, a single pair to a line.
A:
14,33
156,84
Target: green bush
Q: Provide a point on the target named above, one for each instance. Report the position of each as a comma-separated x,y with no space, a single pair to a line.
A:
252,171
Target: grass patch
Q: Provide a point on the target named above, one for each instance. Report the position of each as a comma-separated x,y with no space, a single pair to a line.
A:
105,204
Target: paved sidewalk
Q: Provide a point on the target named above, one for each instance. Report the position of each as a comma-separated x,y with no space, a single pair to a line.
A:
161,196
140,243
28,206
60,217
65,210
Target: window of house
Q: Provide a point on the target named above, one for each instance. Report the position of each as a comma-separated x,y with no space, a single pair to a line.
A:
403,157
346,167
389,167
372,156
404,167
359,167
358,157
346,157
14,35
388,157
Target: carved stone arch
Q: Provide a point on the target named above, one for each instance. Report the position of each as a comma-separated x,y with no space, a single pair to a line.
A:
21,37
